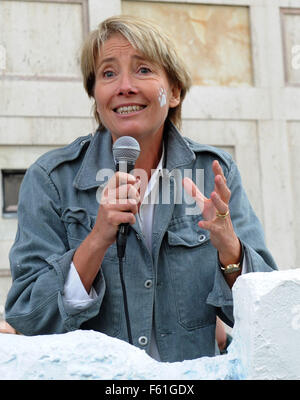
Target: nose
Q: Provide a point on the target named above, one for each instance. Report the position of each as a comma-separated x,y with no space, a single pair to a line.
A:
126,85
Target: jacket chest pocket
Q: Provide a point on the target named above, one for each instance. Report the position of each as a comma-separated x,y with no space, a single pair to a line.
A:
191,261
78,224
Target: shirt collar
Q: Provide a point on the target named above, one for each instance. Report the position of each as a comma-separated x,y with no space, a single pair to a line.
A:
155,175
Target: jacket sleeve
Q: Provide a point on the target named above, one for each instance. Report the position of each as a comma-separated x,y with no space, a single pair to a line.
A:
250,232
40,259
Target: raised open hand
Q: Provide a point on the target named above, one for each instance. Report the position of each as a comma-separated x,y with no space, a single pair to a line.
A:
216,216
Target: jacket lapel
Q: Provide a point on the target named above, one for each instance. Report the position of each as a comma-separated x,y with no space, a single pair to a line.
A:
178,154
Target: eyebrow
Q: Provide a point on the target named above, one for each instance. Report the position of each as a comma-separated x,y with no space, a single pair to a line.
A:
112,59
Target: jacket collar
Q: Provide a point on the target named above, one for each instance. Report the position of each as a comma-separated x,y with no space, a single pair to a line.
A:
178,152
99,156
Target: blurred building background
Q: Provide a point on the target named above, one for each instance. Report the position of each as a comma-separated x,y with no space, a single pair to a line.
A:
244,56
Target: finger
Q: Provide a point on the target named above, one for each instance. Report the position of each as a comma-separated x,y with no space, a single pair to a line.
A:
124,192
193,191
205,225
6,328
134,193
112,193
120,178
222,189
118,217
217,169
114,204
220,205
220,181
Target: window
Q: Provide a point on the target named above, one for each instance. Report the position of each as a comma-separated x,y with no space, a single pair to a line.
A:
11,181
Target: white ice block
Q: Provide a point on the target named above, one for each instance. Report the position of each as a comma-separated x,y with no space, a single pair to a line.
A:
266,344
267,324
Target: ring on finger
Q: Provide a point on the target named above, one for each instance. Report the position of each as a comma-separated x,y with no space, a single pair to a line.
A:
219,215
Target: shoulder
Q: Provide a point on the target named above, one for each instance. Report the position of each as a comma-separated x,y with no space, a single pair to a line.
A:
210,152
53,158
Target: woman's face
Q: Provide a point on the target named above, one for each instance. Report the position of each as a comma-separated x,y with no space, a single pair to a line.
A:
132,95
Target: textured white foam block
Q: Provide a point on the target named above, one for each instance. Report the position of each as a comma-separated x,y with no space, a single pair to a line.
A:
266,344
267,324
93,355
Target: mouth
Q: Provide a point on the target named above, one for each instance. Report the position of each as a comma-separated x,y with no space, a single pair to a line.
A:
124,110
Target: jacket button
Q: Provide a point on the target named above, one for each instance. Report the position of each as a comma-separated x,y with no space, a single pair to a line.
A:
148,283
143,340
201,238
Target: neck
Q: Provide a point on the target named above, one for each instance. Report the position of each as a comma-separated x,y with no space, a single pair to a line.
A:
148,160
150,156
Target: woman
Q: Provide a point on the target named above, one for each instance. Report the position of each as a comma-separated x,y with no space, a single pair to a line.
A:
179,266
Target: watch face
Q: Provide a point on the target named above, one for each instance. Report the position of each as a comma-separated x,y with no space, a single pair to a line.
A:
232,268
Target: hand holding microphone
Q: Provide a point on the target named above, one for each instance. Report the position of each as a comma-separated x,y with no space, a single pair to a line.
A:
120,197
125,151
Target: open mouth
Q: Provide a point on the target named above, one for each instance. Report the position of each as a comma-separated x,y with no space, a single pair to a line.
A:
128,109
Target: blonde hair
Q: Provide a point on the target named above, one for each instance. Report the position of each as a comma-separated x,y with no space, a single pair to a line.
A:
151,41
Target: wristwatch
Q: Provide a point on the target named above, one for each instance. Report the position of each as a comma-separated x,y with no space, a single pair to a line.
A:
230,268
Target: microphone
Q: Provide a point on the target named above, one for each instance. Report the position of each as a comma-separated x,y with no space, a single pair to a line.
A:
125,150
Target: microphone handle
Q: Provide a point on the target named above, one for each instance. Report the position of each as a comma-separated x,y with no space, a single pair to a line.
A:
123,166
121,245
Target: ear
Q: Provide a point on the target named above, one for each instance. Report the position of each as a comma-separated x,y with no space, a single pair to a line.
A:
175,96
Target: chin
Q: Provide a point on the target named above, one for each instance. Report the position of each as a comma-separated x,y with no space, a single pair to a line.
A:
133,131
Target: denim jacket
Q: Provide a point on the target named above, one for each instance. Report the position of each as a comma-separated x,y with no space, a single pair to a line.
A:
179,287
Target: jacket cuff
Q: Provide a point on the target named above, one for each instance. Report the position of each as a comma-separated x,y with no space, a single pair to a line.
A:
72,319
221,294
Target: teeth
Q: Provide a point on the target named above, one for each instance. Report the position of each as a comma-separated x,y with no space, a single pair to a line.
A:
128,109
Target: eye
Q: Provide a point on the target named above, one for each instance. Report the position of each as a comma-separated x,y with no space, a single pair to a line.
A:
144,70
108,74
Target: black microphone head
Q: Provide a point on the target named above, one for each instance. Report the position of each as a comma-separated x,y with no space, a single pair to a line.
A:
126,149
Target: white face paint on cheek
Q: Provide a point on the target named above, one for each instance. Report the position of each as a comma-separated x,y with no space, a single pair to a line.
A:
162,97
